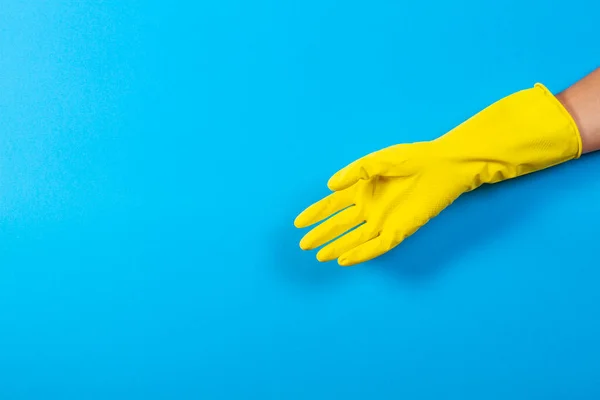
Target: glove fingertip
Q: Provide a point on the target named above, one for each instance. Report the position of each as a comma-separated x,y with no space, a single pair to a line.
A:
323,256
299,222
339,182
306,217
305,244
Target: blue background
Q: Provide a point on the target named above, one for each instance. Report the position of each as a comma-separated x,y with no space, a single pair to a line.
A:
153,156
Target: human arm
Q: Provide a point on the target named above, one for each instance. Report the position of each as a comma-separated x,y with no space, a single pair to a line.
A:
582,100
386,196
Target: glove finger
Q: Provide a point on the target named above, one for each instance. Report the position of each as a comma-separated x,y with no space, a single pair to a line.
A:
390,161
363,168
332,228
403,228
346,242
324,208
365,252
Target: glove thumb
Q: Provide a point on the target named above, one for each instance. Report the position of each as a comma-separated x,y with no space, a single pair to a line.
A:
361,169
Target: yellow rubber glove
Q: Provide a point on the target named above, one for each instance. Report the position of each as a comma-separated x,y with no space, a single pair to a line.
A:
393,192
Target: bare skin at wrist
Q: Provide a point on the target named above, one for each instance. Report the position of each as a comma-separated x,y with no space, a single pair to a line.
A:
582,100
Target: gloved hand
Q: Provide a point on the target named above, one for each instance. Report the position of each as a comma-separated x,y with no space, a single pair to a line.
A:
393,192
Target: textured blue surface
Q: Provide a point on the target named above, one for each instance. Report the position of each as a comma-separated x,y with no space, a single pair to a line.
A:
153,157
